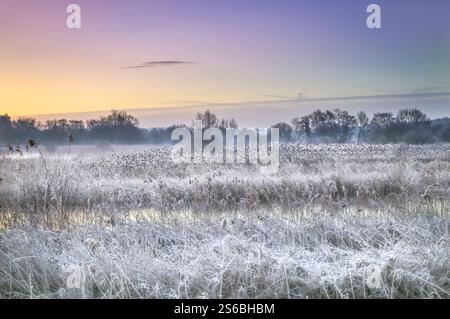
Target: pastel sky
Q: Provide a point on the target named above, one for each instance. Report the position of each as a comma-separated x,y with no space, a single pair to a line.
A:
281,54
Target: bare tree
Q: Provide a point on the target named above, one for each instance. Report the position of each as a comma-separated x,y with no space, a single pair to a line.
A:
382,119
208,119
363,119
302,125
412,116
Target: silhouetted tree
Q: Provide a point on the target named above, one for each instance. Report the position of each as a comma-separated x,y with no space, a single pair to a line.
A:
25,128
346,123
382,119
302,126
335,126
413,116
117,127
363,119
208,119
228,123
285,131
6,129
363,122
211,120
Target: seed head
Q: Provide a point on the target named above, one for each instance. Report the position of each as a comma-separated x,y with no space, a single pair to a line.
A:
31,143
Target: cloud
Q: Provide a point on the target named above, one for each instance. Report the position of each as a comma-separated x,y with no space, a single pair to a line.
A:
440,88
278,96
300,95
153,64
381,96
431,88
375,89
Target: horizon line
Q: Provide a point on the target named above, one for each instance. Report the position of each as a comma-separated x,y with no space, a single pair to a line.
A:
252,102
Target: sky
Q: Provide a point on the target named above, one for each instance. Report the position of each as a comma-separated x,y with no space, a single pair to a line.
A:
257,60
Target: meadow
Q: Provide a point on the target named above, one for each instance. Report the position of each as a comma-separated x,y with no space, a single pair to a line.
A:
336,221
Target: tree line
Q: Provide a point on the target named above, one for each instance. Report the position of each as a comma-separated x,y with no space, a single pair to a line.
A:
117,127
330,126
410,126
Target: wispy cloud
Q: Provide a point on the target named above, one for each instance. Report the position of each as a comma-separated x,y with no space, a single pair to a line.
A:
153,64
279,96
431,88
439,89
381,96
375,89
300,95
404,95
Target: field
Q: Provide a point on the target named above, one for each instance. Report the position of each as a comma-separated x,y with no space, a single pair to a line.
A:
337,221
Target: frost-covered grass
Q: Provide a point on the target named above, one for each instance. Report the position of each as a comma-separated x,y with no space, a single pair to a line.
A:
337,221
237,256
